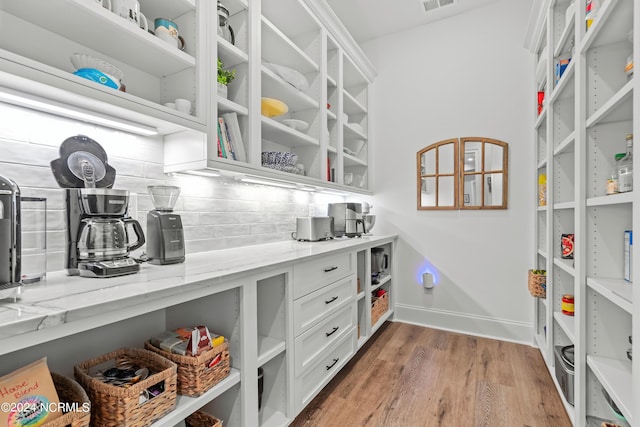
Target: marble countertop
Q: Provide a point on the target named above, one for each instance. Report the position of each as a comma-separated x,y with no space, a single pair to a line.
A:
61,299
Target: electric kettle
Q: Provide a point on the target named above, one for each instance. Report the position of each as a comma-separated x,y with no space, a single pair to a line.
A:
224,29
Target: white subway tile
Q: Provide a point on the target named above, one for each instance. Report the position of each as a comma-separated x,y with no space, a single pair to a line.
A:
231,230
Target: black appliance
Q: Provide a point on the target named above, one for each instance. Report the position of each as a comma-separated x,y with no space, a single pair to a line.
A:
97,237
165,235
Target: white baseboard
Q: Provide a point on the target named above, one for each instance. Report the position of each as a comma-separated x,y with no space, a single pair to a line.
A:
487,327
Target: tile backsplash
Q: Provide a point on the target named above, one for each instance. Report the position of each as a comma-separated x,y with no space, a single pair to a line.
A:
217,213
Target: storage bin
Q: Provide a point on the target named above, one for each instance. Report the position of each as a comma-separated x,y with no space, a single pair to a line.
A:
194,374
379,306
69,391
133,406
537,283
202,419
564,372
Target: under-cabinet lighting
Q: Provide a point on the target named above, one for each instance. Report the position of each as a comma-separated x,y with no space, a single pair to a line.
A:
59,109
267,182
306,188
203,173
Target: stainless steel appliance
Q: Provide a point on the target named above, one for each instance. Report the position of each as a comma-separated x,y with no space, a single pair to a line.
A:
165,236
379,264
347,219
564,367
10,242
97,237
314,228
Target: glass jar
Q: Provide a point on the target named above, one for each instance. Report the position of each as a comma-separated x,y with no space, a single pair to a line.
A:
612,181
625,168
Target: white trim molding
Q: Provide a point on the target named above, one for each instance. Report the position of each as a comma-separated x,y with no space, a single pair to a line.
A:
482,326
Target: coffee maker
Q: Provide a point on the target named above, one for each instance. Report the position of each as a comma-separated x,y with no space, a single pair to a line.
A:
347,219
165,236
97,235
10,243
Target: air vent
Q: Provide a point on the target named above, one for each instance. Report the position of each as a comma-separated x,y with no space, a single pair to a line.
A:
430,5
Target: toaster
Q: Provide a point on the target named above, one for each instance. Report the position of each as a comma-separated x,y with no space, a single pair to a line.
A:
313,228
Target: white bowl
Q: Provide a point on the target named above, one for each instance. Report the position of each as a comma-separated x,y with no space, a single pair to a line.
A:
80,60
296,124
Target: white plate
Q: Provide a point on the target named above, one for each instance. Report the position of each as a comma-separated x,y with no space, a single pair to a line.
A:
296,124
80,60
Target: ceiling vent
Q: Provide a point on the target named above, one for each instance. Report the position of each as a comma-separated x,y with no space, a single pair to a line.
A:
430,5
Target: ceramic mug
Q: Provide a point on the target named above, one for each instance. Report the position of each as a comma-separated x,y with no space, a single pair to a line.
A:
183,105
167,31
130,10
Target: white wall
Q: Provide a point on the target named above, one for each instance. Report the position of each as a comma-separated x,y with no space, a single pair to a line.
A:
469,75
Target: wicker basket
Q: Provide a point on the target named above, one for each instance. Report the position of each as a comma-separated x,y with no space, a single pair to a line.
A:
70,391
537,284
379,306
202,419
194,375
118,406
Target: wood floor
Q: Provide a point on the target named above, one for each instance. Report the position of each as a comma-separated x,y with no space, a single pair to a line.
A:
409,375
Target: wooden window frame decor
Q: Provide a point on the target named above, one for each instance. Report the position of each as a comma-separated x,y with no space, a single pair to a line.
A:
493,171
436,175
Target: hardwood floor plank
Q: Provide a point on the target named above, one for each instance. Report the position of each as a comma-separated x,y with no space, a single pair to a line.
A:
410,376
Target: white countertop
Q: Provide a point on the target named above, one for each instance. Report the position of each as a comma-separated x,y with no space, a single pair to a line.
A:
61,299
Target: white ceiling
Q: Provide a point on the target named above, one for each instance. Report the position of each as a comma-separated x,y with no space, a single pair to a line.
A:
369,19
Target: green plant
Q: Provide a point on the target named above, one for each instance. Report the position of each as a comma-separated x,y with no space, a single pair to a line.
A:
225,76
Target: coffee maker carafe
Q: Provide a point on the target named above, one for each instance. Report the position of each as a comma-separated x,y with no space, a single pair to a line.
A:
10,243
98,243
97,237
165,236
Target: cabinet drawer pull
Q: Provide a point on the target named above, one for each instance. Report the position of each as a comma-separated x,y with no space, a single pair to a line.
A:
331,300
328,269
335,328
333,364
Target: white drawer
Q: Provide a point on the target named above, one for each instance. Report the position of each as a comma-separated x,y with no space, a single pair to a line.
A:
311,345
312,308
314,379
311,275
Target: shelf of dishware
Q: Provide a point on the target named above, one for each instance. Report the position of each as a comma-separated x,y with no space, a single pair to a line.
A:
616,378
119,38
186,405
618,291
284,135
274,86
350,160
279,49
567,324
352,132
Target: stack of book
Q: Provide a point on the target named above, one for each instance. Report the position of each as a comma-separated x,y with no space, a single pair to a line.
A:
230,145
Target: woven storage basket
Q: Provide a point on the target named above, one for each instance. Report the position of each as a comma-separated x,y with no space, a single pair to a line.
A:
70,391
379,306
194,375
202,419
537,284
118,406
